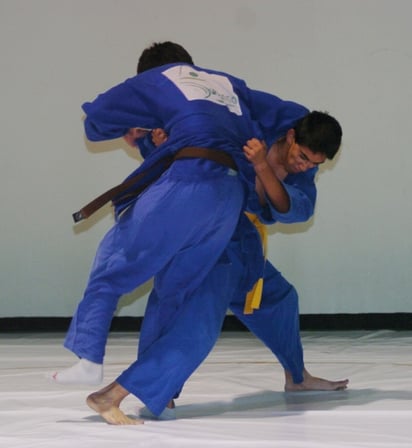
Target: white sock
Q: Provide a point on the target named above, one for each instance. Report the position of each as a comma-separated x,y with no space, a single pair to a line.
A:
83,372
167,414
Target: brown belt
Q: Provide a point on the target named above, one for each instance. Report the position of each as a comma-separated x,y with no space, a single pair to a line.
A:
215,155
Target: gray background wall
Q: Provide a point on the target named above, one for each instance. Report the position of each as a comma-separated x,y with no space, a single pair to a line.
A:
352,58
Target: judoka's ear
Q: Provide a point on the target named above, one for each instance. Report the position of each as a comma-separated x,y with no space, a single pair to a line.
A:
290,136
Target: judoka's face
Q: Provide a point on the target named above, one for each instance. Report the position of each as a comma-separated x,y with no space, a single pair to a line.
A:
300,158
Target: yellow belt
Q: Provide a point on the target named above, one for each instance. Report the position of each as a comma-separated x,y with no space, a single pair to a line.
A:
254,296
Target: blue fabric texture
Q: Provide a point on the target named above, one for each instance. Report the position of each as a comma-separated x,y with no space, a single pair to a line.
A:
187,229
176,231
219,112
169,335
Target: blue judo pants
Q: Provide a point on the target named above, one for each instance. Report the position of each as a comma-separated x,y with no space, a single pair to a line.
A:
276,323
172,346
176,230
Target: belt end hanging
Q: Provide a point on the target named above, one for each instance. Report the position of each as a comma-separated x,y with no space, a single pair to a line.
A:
78,216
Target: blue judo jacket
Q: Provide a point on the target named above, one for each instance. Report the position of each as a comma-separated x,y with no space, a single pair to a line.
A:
196,107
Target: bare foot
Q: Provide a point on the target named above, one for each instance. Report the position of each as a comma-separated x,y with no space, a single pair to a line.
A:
106,402
313,383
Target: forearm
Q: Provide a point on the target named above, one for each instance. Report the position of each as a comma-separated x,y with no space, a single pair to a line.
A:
271,188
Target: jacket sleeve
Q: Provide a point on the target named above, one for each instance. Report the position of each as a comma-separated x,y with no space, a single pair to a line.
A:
114,112
301,189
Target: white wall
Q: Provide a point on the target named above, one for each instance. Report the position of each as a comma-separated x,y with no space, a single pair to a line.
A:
352,58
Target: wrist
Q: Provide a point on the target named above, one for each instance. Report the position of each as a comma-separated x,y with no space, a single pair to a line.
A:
260,166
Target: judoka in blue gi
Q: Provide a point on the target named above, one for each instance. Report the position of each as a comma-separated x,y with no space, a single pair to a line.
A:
199,199
283,290
276,321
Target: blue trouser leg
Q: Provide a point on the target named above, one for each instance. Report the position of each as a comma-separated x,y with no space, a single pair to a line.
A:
244,246
166,360
154,323
175,231
276,322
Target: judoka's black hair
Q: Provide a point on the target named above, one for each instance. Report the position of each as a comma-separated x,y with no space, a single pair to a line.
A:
320,132
161,53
